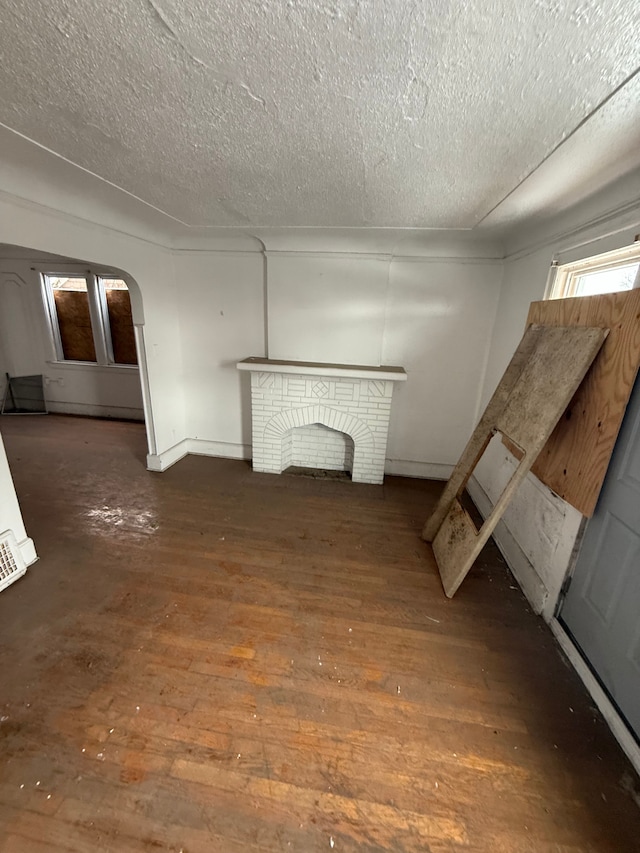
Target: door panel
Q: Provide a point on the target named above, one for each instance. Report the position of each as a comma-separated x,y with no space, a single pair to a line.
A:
602,607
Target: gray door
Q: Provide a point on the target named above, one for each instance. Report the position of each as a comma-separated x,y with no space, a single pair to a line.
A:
601,610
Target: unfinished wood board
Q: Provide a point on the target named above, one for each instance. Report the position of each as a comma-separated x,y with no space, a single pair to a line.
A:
542,377
575,459
478,442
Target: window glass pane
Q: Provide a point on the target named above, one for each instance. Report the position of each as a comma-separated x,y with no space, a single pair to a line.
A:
606,281
118,304
71,302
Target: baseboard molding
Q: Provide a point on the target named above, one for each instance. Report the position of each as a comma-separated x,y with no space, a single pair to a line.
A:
231,450
92,411
161,461
604,704
518,562
422,470
224,449
198,447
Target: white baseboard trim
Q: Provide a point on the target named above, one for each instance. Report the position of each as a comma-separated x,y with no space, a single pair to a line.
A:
92,411
224,449
518,562
198,447
231,450
164,460
422,470
604,704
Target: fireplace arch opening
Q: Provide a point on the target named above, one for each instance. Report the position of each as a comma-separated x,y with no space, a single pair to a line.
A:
313,422
319,447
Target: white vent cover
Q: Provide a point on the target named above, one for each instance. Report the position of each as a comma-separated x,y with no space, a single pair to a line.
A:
12,565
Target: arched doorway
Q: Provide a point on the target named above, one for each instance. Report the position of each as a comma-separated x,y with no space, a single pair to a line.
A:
80,326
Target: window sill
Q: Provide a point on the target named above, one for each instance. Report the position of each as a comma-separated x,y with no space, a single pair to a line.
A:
92,365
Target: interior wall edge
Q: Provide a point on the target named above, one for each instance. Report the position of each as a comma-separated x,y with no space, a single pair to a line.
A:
486,356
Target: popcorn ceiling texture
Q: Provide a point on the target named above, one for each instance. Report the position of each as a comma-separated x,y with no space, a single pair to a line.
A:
345,113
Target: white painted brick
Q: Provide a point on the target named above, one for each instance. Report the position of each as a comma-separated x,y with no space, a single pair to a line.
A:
288,422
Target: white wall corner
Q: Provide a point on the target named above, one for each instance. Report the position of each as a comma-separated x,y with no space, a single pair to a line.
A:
519,564
162,461
198,447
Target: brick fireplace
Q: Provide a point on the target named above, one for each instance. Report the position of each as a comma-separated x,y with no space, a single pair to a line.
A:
326,416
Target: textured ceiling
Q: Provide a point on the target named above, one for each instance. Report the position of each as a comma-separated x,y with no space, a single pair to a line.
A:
344,113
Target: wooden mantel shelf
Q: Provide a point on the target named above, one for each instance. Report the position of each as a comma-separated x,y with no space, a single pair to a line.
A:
315,368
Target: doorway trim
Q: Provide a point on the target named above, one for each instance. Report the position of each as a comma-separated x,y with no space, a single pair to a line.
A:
149,425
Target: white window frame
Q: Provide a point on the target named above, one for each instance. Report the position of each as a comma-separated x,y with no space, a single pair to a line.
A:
564,277
97,311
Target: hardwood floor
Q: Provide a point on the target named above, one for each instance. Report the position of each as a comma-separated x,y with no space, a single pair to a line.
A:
215,660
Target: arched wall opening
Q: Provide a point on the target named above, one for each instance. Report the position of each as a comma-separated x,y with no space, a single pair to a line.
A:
30,342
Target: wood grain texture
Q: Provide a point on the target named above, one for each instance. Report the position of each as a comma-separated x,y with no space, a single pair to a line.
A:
74,322
212,660
575,459
479,439
123,340
547,367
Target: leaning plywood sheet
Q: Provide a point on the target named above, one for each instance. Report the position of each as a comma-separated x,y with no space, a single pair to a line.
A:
575,459
548,366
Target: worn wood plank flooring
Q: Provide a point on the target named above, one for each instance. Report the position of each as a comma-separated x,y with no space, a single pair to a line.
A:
214,660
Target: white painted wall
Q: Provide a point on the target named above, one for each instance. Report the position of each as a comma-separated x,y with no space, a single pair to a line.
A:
539,532
221,321
439,319
327,307
430,311
70,388
432,315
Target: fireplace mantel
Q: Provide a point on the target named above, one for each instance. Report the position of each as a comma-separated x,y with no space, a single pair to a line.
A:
319,368
318,415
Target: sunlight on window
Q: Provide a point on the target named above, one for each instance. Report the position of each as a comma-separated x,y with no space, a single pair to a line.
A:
64,283
606,281
611,272
114,284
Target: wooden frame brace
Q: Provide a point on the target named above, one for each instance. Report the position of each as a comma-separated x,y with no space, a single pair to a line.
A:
537,386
